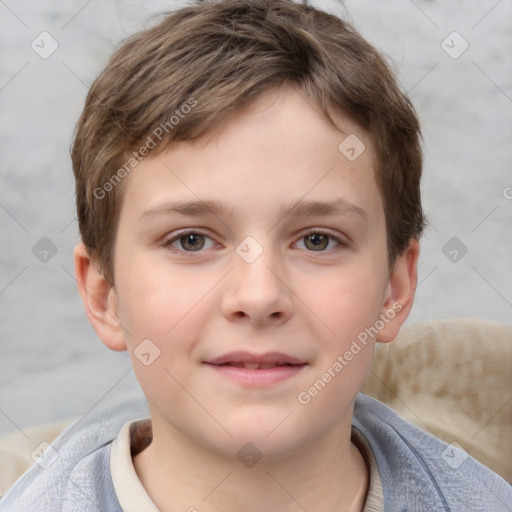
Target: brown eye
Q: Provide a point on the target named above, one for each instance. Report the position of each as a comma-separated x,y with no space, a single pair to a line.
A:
316,241
188,242
192,241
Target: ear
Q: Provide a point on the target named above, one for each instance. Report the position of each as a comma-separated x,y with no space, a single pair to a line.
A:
400,292
100,300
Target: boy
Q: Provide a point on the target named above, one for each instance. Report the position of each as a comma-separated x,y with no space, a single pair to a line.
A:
247,177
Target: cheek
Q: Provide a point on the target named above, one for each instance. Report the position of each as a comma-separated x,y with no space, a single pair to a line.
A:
161,315
346,301
153,300
348,305
163,312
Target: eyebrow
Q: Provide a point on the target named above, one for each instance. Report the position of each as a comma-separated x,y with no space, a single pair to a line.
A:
340,206
298,208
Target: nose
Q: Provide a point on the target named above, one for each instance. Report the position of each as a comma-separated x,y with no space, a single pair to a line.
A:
257,292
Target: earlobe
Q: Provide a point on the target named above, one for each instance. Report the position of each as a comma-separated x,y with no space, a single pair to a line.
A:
100,300
400,292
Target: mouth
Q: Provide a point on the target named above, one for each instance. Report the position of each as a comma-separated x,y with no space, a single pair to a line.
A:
256,366
257,370
251,361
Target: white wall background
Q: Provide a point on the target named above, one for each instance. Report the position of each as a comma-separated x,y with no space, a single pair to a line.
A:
52,366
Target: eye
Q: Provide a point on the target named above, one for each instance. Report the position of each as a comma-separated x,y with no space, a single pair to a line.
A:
319,241
189,241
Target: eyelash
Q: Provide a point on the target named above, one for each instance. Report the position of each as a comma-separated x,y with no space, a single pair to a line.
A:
318,231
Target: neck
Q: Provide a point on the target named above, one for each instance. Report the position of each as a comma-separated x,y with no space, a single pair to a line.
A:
178,474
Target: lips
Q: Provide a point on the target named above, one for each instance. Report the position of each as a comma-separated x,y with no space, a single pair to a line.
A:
255,366
256,361
257,370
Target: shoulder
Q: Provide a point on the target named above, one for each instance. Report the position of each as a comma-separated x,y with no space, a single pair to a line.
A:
422,473
74,473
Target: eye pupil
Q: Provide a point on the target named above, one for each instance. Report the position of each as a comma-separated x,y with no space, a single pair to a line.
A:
192,241
318,240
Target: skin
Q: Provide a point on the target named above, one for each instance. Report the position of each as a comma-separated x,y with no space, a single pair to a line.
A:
295,298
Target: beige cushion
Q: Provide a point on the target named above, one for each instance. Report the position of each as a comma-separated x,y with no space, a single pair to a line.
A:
452,378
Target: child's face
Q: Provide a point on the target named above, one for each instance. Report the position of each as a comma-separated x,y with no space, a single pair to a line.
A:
306,297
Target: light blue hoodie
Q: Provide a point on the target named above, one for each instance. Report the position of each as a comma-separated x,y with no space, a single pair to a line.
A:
419,473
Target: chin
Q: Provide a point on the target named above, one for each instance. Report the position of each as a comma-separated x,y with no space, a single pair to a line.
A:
268,435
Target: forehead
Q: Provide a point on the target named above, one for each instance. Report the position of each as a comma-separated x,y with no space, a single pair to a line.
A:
274,153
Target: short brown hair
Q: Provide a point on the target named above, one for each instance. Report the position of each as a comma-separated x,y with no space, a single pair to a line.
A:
215,58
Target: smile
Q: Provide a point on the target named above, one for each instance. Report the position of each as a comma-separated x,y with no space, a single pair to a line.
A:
257,370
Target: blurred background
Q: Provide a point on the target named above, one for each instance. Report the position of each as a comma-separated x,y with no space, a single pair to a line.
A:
452,57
